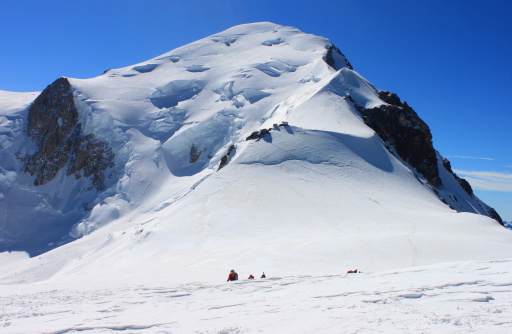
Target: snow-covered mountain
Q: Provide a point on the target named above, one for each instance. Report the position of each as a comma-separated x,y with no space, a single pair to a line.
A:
258,148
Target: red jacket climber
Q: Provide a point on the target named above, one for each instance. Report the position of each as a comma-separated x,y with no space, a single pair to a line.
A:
233,276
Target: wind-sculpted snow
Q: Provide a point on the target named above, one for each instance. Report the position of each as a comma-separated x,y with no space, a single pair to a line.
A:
145,68
227,40
174,92
275,69
449,298
271,42
197,68
268,70
317,147
254,95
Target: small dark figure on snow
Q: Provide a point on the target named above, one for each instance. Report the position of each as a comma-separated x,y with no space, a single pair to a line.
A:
251,277
352,271
233,276
263,276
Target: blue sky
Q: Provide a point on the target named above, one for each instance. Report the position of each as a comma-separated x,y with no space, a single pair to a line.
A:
450,60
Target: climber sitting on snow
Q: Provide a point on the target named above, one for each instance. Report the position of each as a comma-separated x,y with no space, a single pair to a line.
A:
233,276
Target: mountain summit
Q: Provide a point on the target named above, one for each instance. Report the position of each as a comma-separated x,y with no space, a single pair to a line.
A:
257,147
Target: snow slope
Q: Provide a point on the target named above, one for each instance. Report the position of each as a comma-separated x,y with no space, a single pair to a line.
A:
319,195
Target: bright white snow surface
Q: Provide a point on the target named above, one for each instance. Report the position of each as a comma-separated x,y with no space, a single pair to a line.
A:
457,297
305,203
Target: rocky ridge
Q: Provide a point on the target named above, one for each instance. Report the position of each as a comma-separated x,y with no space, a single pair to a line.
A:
402,129
400,126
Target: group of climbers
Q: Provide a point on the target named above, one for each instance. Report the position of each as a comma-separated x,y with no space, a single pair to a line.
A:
233,276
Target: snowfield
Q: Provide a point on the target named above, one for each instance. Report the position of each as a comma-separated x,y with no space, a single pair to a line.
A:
457,297
242,150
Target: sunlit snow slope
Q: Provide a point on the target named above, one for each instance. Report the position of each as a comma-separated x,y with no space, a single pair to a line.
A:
196,188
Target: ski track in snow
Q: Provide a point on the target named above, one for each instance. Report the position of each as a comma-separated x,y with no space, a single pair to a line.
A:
448,298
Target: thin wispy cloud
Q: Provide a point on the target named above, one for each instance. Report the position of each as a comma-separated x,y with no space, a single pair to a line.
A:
494,181
465,157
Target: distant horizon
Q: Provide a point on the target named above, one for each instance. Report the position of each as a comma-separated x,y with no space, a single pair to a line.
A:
449,61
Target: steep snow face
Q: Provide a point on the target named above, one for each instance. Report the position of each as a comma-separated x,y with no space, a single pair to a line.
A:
305,185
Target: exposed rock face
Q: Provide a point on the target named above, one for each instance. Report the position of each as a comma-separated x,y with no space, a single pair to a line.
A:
399,126
330,59
53,126
494,215
225,159
195,154
92,157
463,183
257,135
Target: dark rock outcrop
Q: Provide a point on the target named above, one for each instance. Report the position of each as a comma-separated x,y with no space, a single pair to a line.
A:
257,135
264,132
467,188
92,157
224,160
60,143
330,60
253,136
195,154
399,126
494,215
463,183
